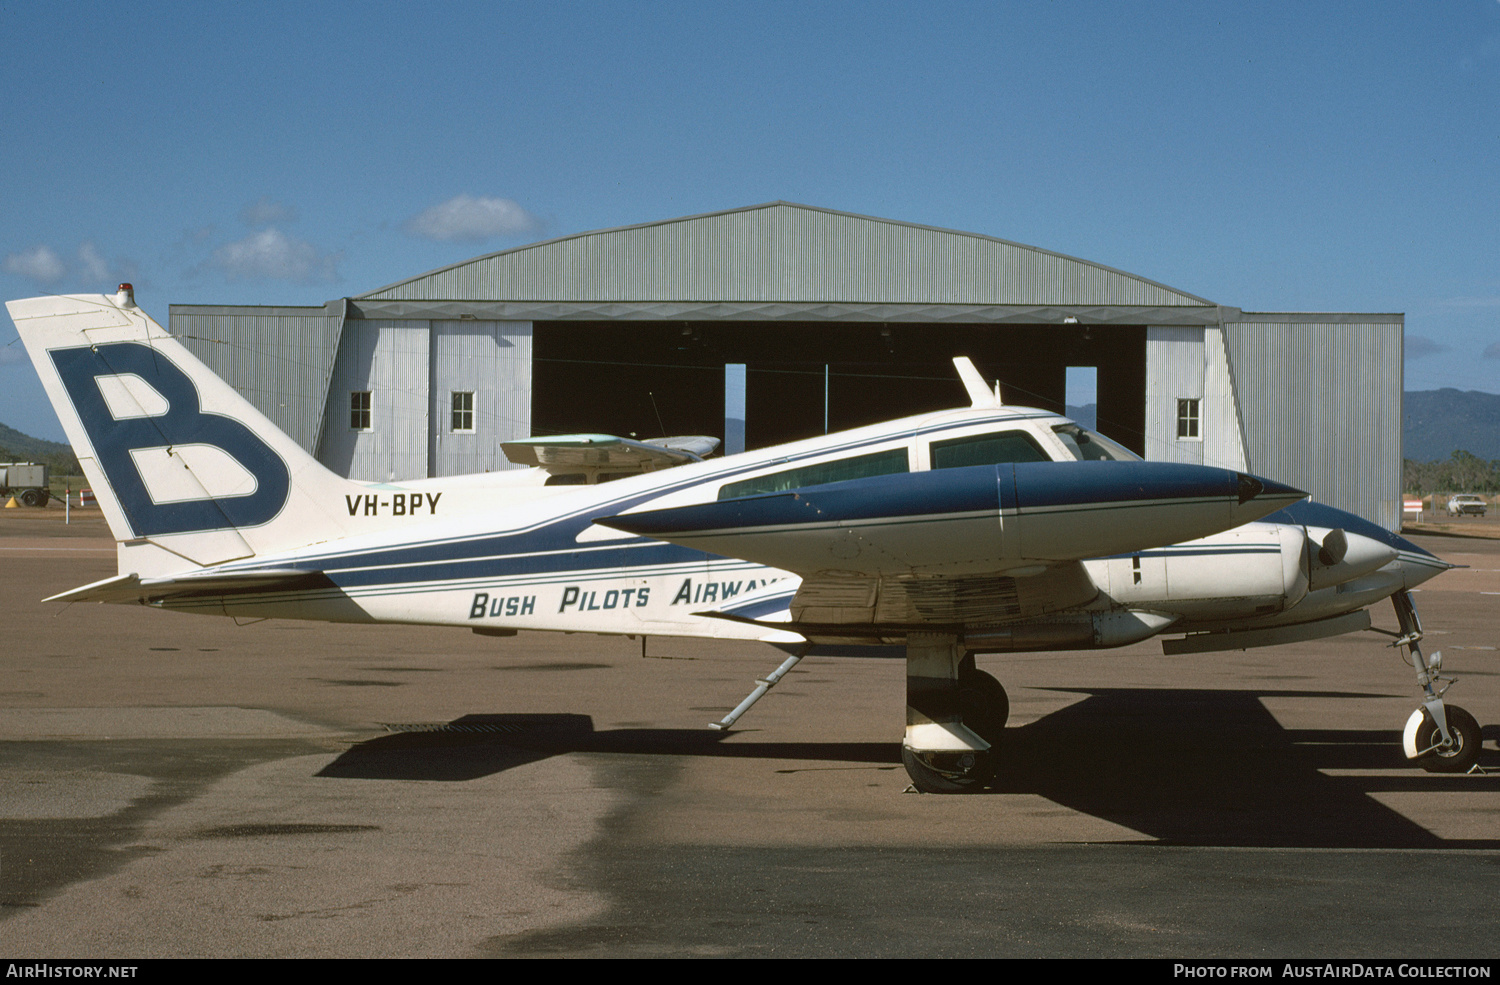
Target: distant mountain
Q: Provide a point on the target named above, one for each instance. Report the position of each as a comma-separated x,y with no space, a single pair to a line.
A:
1086,416
1439,422
18,447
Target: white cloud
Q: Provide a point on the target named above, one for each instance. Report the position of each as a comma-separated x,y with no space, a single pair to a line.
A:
43,265
467,218
266,212
270,254
1418,346
94,266
39,264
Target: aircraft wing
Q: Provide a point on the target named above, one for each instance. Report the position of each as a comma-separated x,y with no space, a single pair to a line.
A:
965,546
574,452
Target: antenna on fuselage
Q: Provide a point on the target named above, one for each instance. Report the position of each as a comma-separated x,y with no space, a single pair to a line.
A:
980,394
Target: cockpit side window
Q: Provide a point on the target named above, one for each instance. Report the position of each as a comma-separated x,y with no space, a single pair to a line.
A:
987,449
860,467
1086,446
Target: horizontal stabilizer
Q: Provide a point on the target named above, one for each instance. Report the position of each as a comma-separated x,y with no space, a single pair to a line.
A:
131,588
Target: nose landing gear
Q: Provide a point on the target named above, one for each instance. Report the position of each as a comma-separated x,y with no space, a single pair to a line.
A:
1439,737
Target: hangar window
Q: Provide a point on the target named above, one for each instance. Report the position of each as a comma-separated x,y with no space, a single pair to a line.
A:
987,449
860,467
359,410
463,411
1187,420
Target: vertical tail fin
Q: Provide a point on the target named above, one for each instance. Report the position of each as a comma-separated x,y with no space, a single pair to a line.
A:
184,468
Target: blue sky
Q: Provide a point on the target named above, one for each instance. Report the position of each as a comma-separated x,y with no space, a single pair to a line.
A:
1271,156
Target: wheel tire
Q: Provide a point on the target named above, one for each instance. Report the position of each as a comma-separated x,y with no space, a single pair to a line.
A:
1463,755
946,772
31,498
984,704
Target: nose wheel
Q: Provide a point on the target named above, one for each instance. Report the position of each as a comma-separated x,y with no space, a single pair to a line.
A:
1423,741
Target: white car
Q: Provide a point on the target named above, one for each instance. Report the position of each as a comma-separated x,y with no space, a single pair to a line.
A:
1459,505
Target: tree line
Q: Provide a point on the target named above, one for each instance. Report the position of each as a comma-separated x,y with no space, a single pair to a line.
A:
1461,473
60,462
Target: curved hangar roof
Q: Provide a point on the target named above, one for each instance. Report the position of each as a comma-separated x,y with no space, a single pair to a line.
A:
783,254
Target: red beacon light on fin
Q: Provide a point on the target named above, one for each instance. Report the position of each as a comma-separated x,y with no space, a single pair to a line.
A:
125,296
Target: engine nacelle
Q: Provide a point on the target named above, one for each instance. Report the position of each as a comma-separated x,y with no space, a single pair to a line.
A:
1254,570
1336,556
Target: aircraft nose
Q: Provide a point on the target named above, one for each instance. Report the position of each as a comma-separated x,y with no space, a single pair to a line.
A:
1417,565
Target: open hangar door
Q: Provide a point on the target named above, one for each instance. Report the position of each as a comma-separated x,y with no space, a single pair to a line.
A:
656,378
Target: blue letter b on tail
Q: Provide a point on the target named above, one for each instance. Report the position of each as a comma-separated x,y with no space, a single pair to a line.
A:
166,462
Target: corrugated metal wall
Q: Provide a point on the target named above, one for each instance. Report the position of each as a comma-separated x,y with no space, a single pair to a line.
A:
411,368
491,360
280,359
1320,401
1185,362
1224,442
388,359
791,253
1174,370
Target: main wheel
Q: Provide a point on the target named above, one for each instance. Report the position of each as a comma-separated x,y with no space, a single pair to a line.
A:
31,498
984,704
1464,752
946,772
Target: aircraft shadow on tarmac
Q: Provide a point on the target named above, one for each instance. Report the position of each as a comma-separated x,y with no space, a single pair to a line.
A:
1186,767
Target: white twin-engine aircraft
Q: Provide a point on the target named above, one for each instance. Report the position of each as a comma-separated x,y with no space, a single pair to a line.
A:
981,530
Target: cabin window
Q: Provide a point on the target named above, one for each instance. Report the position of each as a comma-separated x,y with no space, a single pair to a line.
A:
359,410
1187,419
1087,446
987,449
860,467
463,411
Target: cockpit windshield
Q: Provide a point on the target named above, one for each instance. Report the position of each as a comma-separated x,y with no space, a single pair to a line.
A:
1089,446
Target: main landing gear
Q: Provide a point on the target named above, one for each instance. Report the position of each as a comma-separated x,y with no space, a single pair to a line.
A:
955,713
955,716
1441,738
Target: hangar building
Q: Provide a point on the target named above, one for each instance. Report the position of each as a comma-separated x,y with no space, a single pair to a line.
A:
838,320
